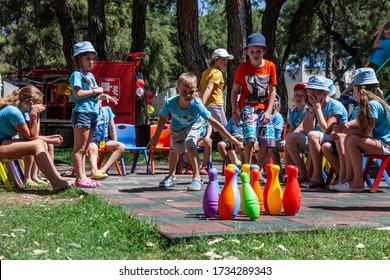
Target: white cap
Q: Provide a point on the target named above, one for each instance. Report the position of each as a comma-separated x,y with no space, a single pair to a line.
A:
221,53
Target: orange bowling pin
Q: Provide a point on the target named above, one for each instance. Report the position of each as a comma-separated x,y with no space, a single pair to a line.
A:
226,199
257,187
275,194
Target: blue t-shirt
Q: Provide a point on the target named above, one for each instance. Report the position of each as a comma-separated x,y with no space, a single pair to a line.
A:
203,128
182,118
278,122
354,113
88,104
381,130
380,55
296,117
9,117
335,107
103,121
235,129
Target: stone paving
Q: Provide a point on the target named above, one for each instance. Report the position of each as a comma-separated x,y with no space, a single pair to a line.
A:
179,213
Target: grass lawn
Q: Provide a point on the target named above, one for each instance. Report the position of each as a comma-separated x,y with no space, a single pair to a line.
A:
72,225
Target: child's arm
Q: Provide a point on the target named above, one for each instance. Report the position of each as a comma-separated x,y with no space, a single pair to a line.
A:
233,99
160,126
221,129
207,92
113,130
377,43
267,114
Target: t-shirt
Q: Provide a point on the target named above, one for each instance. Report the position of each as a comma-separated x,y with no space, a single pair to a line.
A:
381,130
235,129
88,104
296,117
213,75
103,120
278,122
254,83
182,118
335,107
380,55
9,117
203,128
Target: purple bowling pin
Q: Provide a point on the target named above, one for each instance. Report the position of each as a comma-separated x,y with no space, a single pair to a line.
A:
211,195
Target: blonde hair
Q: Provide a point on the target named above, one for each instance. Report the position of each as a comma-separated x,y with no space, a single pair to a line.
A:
20,95
187,79
368,93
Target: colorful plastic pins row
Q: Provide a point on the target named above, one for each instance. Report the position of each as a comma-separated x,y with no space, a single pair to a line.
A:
249,197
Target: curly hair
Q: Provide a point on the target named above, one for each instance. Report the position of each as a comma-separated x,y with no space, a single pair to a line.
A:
20,95
368,93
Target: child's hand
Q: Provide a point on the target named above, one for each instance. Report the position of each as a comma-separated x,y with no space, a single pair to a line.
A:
110,98
235,142
235,118
265,117
56,139
152,143
239,137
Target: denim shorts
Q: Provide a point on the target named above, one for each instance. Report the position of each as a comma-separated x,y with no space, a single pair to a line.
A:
84,120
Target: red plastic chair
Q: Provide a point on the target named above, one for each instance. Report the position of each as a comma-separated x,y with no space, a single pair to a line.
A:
383,161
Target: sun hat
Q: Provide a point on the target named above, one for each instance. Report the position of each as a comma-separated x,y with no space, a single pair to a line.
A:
319,83
332,90
277,97
221,53
83,47
365,76
256,39
300,86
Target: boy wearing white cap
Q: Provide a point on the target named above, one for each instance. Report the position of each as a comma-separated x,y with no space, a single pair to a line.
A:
212,85
328,112
256,81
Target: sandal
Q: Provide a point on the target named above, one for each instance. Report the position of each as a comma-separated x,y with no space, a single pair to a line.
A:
31,184
98,175
42,183
86,183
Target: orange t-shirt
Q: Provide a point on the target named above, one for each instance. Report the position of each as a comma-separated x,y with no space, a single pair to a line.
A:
254,83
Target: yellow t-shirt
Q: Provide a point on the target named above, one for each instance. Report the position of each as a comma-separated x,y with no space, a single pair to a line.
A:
213,75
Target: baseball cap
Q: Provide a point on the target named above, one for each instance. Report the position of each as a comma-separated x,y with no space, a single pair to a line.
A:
83,47
365,76
256,39
221,53
300,86
319,83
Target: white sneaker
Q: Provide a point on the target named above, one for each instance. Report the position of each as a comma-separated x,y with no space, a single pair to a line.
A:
168,181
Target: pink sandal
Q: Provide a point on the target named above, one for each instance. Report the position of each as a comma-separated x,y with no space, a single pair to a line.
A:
87,183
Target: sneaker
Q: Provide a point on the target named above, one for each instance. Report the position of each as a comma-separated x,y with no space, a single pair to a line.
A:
195,185
168,181
203,171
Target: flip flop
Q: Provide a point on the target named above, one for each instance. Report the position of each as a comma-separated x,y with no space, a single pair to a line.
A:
31,184
98,175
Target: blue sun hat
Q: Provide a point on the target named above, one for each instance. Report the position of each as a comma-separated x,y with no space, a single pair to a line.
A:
83,47
277,97
332,90
365,76
256,39
319,83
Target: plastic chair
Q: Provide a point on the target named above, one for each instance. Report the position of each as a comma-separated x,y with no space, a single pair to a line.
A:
9,169
121,170
162,145
126,135
384,169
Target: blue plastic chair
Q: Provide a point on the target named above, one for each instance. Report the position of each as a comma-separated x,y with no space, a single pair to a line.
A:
126,135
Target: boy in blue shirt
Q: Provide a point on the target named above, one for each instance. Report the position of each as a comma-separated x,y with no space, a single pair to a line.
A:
186,112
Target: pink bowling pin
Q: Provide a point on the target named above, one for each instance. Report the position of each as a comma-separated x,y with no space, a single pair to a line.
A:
250,201
292,196
267,185
226,199
257,187
211,195
275,194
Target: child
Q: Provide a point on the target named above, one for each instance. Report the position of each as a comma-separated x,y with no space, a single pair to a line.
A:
212,85
278,123
84,116
186,111
105,121
328,111
227,152
256,81
26,100
369,132
380,53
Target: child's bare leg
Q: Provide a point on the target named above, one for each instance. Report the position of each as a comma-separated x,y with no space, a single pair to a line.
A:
248,151
193,157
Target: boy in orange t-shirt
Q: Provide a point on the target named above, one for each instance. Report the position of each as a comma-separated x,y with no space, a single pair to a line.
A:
256,81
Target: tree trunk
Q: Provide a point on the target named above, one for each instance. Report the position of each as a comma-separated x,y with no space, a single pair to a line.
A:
329,38
138,38
270,18
236,15
97,27
187,25
67,31
138,34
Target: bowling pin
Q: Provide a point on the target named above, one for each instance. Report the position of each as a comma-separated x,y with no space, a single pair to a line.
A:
292,196
257,187
211,195
236,191
267,185
275,194
250,201
226,199
246,168
253,166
